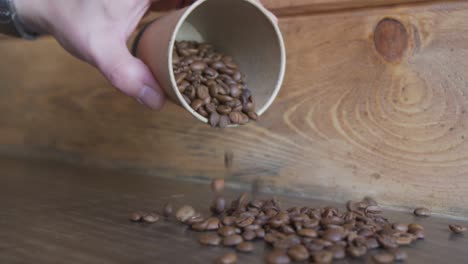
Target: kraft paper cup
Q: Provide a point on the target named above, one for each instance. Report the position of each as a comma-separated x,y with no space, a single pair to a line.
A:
242,29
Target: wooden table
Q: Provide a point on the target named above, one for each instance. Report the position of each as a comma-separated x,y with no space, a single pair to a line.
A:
54,213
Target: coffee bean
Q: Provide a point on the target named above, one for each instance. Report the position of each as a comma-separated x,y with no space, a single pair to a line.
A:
211,73
249,235
202,112
167,210
136,216
252,115
218,65
333,234
227,231
230,64
180,77
187,99
184,213
214,90
414,227
203,92
210,108
400,255
224,121
373,209
196,104
457,229
228,258
229,220
419,234
214,119
298,253
307,232
260,233
356,252
209,239
245,247
277,257
424,212
199,226
383,258
232,240
224,98
198,66
322,257
400,227
387,241
151,218
235,117
337,251
218,205
404,240
235,91
224,110
213,223
372,243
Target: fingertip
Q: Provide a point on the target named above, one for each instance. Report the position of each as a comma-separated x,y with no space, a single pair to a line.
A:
152,97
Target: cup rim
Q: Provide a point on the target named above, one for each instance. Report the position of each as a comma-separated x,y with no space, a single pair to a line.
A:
280,40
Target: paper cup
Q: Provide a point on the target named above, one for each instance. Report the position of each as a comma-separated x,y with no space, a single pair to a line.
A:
242,29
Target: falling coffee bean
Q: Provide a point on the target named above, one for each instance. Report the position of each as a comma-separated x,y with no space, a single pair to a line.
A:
217,185
218,205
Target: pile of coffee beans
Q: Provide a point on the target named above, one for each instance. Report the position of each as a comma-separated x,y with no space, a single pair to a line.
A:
300,233
212,84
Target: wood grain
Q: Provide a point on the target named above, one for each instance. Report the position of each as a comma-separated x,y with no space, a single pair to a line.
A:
63,214
347,123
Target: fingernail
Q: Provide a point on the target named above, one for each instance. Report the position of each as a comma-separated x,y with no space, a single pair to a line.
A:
149,97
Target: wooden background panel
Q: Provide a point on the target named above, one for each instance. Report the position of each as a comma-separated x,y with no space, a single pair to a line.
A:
347,122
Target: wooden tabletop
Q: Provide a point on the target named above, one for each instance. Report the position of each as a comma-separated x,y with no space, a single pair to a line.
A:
54,213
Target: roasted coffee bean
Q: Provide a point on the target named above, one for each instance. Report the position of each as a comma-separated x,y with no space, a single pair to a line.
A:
260,233
196,104
249,235
334,234
228,258
229,220
211,73
404,239
322,257
198,66
400,227
210,239
187,99
383,258
373,209
202,112
457,229
167,210
218,205
235,117
150,218
213,223
199,226
224,110
298,253
307,232
232,240
252,115
184,213
387,241
214,90
235,91
218,65
224,98
136,216
414,227
277,257
224,121
180,77
372,243
356,252
203,92
419,234
337,251
424,212
244,221
197,218
245,247
400,255
214,119
227,231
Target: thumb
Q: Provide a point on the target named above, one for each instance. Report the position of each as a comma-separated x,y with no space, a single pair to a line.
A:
129,74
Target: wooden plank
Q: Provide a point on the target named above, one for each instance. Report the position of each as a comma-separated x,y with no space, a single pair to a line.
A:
347,122
59,214
295,7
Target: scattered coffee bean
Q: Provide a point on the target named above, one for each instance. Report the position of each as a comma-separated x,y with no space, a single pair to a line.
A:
338,251
333,234
387,241
372,243
400,227
245,247
383,258
424,212
229,220
414,227
184,213
277,257
323,257
306,232
356,252
232,240
209,239
249,235
136,216
209,84
457,229
227,231
298,253
167,210
228,258
151,218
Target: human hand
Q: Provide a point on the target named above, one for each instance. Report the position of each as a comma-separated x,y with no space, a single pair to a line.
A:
97,31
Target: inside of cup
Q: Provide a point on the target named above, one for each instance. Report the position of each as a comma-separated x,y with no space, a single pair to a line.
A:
243,31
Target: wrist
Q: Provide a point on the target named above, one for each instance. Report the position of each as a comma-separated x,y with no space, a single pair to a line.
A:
32,14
